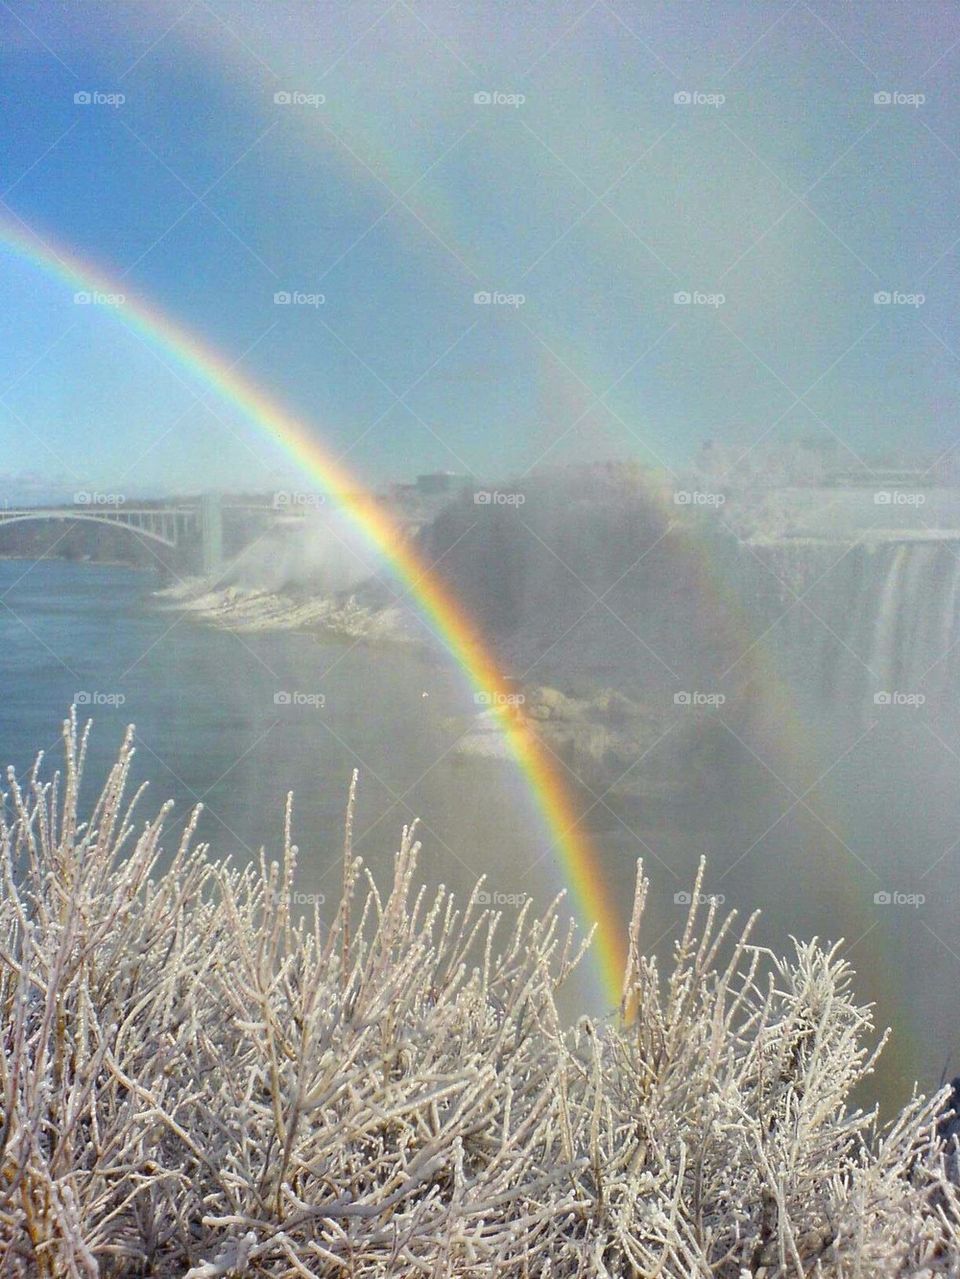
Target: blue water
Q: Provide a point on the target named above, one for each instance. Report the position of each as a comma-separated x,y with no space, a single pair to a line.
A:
208,729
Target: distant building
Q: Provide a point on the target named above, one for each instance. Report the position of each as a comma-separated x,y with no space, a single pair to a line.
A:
440,482
874,476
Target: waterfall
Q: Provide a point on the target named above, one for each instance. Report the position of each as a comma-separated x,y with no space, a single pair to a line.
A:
948,621
883,656
589,578
880,617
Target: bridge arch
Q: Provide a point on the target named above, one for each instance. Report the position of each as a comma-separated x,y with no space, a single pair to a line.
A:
88,517
194,527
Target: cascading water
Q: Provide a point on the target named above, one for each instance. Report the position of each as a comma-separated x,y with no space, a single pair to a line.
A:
810,796
871,620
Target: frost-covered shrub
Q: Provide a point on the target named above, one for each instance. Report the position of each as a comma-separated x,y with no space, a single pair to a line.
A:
194,1082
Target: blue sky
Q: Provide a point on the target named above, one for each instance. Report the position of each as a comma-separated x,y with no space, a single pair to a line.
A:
782,186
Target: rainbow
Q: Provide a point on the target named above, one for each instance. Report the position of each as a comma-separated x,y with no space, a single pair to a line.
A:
577,856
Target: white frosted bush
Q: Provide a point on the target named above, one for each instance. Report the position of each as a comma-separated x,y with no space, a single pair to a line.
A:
197,1082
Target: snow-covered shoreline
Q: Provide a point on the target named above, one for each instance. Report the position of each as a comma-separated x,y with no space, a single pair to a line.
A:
250,609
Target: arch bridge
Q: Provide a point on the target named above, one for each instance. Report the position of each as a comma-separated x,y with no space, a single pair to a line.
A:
194,528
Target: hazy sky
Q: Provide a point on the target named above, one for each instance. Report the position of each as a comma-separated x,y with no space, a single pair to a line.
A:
585,185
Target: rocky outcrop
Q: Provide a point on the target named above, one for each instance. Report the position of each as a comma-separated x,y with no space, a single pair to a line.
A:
609,741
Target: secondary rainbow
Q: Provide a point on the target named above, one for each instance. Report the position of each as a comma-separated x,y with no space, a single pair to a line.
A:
544,779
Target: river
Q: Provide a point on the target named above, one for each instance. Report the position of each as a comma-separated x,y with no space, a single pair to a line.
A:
211,728
236,721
